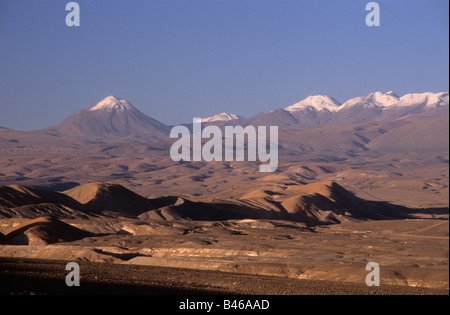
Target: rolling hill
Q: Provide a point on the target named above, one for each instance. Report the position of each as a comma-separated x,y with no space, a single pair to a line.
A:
42,231
314,204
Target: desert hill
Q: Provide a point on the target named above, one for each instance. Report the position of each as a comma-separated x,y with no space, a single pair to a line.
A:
205,210
321,203
18,201
314,204
109,197
14,196
42,231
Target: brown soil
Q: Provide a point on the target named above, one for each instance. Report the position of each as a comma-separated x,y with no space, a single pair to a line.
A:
31,276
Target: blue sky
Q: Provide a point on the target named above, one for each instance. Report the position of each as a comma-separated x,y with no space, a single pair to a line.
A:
178,59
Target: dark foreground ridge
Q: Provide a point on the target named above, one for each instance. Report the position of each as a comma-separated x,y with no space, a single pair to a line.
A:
44,277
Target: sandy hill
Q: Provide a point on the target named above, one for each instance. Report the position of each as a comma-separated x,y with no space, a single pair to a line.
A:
15,195
109,197
42,231
19,201
175,208
320,203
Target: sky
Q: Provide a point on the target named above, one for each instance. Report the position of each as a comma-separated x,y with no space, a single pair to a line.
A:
179,59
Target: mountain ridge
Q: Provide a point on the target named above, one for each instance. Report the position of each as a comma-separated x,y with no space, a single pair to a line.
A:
321,110
115,117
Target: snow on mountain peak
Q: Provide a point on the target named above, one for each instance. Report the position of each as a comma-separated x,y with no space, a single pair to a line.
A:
427,99
316,102
383,99
375,99
111,103
220,117
392,93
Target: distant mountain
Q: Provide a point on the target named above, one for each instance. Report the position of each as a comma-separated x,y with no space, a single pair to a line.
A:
278,117
221,117
384,107
373,100
315,103
314,111
111,117
321,111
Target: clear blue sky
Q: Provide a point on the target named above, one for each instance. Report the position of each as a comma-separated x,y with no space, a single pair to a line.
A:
176,59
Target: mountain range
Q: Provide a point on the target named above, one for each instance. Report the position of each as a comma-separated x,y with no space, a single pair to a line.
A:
117,118
318,127
321,111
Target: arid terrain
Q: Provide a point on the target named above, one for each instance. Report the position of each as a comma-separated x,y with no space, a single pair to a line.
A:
38,276
346,193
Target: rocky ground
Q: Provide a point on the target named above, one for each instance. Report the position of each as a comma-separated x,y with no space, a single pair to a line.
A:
36,277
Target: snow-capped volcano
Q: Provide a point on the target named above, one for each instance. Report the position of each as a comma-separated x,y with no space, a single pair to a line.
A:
110,118
315,103
111,103
221,117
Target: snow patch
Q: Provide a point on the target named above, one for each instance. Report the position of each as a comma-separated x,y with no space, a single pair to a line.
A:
220,117
427,99
317,103
112,103
376,99
390,100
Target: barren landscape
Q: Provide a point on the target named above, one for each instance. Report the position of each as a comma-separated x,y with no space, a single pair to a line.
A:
374,188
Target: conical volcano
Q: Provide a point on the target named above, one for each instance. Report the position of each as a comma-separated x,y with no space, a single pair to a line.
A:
110,118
